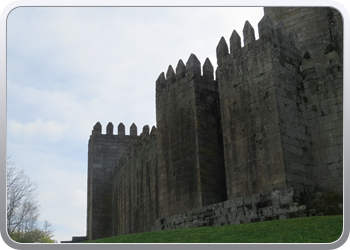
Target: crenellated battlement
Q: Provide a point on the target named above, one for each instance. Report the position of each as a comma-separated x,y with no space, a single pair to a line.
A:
137,146
269,32
97,129
185,73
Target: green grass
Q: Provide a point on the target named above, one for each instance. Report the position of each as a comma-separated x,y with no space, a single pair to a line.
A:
319,229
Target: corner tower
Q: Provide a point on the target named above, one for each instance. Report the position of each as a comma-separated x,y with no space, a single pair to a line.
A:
104,151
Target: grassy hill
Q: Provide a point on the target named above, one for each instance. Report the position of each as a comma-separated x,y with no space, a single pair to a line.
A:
320,229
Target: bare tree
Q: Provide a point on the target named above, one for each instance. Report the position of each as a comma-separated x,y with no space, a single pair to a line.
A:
22,208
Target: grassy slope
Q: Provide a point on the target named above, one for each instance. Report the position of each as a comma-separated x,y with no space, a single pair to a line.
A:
320,229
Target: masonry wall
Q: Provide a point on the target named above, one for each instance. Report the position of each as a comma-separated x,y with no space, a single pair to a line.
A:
134,201
190,165
104,151
274,205
320,40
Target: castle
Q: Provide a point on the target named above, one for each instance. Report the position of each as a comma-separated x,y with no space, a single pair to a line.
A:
252,144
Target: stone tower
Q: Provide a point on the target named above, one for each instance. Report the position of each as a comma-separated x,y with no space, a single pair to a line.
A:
104,151
263,113
189,139
281,103
320,40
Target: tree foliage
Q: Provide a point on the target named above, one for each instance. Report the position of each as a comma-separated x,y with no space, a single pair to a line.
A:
23,209
34,235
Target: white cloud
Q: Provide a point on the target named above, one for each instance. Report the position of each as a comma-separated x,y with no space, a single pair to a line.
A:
51,130
63,200
48,196
77,199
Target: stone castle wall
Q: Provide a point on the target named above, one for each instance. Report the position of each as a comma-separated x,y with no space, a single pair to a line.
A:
134,193
251,145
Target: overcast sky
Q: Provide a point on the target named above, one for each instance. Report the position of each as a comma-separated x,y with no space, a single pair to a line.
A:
68,68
